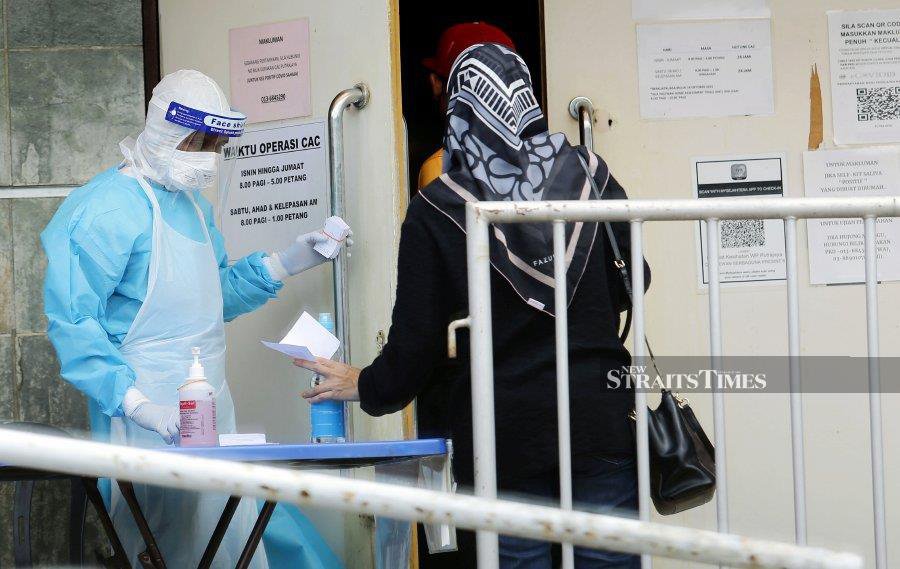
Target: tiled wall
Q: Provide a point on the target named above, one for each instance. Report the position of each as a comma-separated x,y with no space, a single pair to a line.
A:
71,87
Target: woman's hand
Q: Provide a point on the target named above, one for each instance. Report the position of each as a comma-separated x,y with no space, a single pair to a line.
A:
338,381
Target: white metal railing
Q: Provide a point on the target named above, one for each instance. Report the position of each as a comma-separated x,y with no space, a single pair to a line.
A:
479,216
98,460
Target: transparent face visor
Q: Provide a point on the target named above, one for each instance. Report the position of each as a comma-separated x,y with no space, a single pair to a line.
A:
227,162
207,142
215,133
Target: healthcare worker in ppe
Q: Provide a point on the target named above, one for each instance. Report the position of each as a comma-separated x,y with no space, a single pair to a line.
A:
137,276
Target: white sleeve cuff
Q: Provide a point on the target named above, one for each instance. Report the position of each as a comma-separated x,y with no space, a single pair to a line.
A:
275,268
132,400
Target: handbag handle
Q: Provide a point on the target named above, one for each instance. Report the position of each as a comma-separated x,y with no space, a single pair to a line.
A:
618,263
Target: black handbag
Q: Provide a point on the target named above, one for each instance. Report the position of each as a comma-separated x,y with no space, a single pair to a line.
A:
682,459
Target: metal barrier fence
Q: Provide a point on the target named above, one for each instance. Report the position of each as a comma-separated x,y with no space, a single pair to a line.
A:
479,217
98,460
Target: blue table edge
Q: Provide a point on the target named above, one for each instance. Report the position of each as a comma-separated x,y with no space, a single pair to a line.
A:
319,451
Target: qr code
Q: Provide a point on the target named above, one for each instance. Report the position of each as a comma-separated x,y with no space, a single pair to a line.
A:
743,233
878,104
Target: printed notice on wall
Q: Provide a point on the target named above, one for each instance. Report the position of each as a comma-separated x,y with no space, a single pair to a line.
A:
750,250
710,69
698,9
865,75
837,246
270,70
277,188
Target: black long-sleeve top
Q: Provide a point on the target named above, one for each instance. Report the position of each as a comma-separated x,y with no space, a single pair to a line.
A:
432,291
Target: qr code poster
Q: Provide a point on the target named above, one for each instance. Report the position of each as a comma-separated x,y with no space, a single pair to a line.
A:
837,246
865,75
750,250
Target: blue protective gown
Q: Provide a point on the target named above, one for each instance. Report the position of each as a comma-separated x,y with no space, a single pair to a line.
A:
98,250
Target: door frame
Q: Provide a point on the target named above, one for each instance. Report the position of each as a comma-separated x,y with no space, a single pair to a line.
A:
150,44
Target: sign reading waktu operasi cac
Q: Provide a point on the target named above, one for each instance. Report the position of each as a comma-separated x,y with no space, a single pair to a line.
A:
270,70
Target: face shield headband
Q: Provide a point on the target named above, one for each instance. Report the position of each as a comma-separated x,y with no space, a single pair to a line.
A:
230,123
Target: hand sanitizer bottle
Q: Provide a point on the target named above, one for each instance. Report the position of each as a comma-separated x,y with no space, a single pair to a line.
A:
326,419
197,406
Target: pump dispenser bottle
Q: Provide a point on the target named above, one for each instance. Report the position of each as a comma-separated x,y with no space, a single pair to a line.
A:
197,405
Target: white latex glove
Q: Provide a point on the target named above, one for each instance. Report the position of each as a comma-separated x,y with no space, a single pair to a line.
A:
164,419
297,257
304,253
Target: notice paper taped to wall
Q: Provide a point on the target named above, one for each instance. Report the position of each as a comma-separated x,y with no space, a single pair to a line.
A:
865,75
277,189
710,69
837,246
643,10
750,250
269,66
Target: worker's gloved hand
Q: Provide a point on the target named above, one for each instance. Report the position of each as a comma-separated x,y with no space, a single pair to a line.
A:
164,419
309,250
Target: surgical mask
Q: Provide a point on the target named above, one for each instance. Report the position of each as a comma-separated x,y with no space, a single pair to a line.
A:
193,170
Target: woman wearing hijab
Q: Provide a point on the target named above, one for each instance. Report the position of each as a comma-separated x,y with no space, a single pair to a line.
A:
497,148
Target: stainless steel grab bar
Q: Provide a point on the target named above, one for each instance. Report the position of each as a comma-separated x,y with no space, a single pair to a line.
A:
358,96
582,110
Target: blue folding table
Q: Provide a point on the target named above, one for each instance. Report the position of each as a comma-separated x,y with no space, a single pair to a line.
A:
298,456
308,456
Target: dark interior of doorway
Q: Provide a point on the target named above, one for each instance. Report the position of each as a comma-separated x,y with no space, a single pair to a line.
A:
421,24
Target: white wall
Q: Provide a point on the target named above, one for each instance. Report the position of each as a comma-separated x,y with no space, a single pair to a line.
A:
349,42
591,51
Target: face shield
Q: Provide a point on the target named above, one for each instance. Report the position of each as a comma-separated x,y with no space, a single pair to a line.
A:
198,162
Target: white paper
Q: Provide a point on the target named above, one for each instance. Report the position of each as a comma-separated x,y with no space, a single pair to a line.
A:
299,352
750,250
277,188
865,75
337,231
241,439
709,69
837,246
307,340
698,9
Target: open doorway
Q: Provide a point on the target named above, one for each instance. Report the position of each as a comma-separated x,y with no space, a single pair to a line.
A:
421,25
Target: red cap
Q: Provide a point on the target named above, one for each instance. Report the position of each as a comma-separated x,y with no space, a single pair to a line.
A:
457,38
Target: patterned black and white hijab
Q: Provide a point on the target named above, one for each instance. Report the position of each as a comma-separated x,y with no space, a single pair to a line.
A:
497,148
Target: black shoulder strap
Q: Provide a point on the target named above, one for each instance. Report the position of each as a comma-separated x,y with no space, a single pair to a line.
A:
618,262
